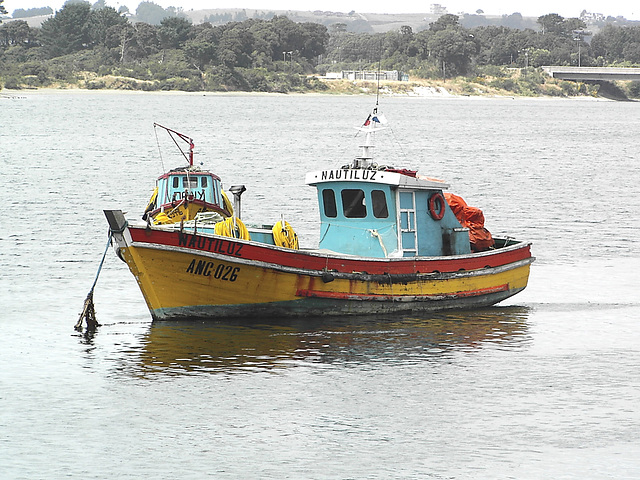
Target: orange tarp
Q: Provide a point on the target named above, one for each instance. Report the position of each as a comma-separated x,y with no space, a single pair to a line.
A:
473,219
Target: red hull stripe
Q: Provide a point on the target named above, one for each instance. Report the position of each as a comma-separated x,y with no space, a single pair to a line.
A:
233,248
400,298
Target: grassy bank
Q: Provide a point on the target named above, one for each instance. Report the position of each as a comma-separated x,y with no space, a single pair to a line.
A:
532,83
499,82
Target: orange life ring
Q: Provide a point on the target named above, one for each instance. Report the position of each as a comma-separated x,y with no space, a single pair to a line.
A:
437,211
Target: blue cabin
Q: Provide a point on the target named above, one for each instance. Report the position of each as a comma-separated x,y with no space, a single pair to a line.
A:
383,213
189,184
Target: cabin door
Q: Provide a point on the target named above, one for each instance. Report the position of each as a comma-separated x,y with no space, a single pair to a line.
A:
408,231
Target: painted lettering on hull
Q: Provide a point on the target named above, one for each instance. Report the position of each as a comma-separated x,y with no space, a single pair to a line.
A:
219,271
179,212
189,195
208,244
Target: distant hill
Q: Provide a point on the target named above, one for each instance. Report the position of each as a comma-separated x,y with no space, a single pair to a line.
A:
33,22
354,21
357,21
363,22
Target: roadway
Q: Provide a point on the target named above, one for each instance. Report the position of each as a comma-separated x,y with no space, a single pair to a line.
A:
593,73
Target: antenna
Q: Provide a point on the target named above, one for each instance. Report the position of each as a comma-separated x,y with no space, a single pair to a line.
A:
379,62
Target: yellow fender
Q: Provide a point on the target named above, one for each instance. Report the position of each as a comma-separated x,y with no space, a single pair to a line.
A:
284,236
226,228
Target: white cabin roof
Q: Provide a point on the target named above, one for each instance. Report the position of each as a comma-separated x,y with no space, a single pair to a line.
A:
418,182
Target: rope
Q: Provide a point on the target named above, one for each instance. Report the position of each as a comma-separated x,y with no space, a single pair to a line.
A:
375,233
232,227
89,311
155,130
284,236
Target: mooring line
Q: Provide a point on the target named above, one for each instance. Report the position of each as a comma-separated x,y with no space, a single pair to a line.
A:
89,311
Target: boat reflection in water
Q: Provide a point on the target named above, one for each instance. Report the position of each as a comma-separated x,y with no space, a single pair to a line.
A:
191,347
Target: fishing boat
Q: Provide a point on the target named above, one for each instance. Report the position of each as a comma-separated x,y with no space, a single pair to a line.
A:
391,240
185,192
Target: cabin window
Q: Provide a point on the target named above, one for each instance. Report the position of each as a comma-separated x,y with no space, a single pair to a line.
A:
175,182
379,204
353,204
190,182
329,203
216,192
203,182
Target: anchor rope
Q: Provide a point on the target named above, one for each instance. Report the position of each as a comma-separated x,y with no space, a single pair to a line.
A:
89,311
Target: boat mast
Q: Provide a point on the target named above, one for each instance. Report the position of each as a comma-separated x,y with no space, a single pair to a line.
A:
372,125
183,137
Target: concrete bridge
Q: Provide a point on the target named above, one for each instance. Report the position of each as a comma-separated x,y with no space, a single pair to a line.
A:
593,73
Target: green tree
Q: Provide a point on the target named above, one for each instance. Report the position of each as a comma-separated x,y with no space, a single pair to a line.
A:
119,38
146,40
265,40
235,46
444,22
174,32
134,42
502,45
451,45
553,23
631,52
17,32
539,57
290,36
239,55
610,42
68,31
202,49
101,21
314,40
3,10
453,48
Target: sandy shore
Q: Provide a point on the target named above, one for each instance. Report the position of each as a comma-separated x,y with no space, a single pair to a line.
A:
420,91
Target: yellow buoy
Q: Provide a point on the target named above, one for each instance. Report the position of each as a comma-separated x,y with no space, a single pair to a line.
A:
232,227
284,236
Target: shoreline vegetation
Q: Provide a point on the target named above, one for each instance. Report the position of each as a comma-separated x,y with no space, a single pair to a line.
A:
518,83
95,47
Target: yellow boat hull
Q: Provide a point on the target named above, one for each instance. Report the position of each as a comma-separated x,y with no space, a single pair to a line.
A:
190,284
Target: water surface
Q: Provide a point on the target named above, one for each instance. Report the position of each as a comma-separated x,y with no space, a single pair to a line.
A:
545,385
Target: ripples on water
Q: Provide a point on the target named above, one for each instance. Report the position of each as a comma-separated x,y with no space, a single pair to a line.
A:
544,386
